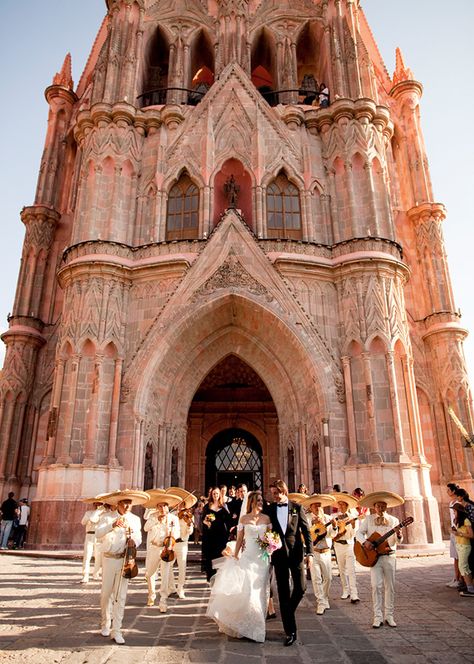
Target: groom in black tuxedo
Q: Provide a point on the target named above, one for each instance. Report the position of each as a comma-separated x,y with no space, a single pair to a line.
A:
290,522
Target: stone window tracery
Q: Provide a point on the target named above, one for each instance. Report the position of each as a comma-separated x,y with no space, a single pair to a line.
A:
182,217
283,209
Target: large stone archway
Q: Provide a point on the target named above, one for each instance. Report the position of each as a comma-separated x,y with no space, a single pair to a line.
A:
234,325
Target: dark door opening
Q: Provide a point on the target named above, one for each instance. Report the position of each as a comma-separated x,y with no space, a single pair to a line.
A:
234,456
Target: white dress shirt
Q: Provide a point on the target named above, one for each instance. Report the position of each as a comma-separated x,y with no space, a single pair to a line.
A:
282,516
113,540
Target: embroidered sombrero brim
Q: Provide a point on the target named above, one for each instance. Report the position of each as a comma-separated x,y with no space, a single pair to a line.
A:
187,498
392,499
323,498
347,498
162,499
137,497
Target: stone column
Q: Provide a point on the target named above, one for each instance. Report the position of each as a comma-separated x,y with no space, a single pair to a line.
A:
90,446
397,422
63,453
114,413
374,454
346,366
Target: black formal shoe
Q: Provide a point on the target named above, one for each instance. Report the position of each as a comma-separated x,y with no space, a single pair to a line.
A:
355,601
290,640
270,616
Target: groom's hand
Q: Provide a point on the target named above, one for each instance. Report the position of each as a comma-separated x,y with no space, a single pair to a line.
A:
307,560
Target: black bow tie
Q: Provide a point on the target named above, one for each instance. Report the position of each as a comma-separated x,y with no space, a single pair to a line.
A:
282,504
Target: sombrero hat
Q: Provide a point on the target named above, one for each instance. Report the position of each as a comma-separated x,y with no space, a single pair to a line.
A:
347,498
137,497
94,499
392,499
188,499
297,497
162,498
324,498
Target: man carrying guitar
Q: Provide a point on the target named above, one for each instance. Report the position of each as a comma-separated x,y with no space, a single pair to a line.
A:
382,574
346,522
321,532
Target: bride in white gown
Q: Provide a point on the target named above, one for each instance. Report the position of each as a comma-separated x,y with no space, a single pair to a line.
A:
240,589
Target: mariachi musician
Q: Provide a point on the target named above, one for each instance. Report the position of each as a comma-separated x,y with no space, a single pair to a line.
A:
115,527
346,523
382,574
186,527
91,548
163,531
321,531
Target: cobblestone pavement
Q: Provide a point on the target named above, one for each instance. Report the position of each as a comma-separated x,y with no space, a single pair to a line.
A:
46,615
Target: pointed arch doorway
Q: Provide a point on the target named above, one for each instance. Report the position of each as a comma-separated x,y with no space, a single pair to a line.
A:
234,456
232,433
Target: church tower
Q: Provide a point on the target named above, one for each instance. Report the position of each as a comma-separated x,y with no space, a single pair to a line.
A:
233,270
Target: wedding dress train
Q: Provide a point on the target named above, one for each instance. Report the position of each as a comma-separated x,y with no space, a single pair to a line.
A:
240,590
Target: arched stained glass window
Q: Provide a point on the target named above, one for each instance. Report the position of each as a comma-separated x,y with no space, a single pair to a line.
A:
182,217
239,457
283,209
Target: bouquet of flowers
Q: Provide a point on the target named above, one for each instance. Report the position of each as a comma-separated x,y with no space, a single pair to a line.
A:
208,519
269,542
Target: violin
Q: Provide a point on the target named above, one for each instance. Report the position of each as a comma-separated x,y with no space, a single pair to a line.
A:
167,554
186,515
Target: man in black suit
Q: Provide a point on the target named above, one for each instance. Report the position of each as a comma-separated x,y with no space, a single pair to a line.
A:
234,506
290,522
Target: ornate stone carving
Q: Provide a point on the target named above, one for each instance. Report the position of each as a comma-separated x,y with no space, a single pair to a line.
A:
232,275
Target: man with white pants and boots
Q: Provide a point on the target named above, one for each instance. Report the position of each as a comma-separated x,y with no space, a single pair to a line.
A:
186,528
321,532
90,521
163,531
382,574
112,532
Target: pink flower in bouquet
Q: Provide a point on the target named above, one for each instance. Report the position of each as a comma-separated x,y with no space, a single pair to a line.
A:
269,542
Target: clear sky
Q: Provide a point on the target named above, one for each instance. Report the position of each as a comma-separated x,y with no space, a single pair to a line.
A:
435,37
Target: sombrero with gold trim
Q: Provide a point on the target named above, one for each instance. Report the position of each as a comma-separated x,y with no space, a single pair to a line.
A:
346,497
297,497
162,498
137,497
324,498
392,499
188,500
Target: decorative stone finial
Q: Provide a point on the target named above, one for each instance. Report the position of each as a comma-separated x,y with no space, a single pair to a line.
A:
401,73
64,77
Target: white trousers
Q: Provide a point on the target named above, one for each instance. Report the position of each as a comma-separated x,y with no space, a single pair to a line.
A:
346,564
153,564
382,577
181,555
91,548
113,594
320,568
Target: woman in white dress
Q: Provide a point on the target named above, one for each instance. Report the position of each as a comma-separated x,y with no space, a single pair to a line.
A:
240,589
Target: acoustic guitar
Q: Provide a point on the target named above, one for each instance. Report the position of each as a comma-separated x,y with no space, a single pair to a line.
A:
368,558
342,523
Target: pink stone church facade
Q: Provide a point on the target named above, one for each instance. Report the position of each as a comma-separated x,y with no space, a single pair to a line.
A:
224,280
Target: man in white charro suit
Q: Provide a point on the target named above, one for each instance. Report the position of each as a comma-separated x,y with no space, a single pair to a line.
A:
112,532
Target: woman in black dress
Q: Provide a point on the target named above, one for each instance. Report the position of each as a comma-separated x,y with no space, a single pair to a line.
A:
216,522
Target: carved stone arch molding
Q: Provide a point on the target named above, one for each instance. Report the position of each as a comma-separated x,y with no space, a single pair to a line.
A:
189,350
